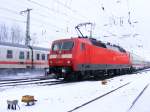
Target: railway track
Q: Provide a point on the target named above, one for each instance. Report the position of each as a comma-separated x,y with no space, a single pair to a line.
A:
30,81
99,97
105,94
136,99
142,71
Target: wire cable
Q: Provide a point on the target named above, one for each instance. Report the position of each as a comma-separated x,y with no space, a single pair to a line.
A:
12,19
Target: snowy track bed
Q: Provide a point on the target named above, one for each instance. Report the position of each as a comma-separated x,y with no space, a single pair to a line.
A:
67,96
33,81
127,99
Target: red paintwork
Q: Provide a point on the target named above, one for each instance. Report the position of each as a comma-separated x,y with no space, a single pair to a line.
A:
58,61
91,55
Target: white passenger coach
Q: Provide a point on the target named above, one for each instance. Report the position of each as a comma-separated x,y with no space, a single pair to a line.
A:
16,56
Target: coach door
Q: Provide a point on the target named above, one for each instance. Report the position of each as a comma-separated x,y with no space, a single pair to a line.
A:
29,58
28,61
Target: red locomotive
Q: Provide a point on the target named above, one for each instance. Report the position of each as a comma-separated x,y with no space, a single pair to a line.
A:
75,58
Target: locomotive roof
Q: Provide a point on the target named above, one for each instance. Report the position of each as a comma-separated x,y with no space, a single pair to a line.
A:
97,43
107,45
22,46
65,39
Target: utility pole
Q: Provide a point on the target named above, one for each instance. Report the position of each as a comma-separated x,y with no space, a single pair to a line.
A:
28,39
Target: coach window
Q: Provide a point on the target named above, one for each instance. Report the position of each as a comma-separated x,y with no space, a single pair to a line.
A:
21,55
9,54
28,55
47,56
37,56
43,56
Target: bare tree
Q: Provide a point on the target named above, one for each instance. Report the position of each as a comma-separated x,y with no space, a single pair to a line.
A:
34,39
16,34
3,32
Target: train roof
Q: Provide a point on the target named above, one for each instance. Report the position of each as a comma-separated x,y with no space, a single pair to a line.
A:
107,45
72,38
22,46
96,43
64,39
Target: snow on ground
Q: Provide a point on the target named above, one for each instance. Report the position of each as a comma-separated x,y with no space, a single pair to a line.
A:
65,97
19,75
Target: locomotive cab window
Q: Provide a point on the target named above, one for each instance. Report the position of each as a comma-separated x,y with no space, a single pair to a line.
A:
21,55
68,45
56,46
9,54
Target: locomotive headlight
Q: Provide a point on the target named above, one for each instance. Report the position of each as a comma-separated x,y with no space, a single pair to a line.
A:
68,62
51,62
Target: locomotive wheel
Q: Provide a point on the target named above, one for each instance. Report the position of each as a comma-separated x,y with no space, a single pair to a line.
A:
75,76
131,70
56,77
70,77
110,72
116,72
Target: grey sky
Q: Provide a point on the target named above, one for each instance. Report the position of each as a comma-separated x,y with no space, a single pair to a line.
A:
54,19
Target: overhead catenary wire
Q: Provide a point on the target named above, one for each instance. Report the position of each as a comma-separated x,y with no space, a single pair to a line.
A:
124,20
17,13
34,23
43,14
64,5
69,8
43,21
46,7
12,19
10,10
56,11
49,9
46,23
68,2
68,20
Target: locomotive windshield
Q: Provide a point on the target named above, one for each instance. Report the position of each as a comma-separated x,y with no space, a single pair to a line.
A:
56,46
67,45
